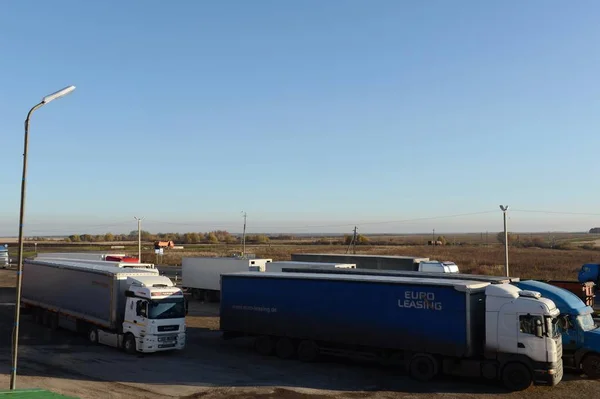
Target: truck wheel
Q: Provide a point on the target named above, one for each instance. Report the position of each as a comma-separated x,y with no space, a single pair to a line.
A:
129,344
308,351
516,377
93,335
284,348
422,368
263,345
591,366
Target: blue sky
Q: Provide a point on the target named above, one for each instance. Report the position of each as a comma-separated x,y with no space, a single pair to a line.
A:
308,113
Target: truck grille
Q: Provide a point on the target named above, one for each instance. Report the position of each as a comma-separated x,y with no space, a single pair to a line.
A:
167,338
168,328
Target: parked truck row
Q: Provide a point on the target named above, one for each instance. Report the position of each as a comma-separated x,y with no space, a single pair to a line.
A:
429,322
202,275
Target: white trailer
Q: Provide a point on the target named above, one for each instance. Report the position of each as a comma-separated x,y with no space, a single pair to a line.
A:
98,256
202,275
279,266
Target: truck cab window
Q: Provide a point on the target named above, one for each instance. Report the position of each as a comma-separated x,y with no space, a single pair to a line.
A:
141,309
527,324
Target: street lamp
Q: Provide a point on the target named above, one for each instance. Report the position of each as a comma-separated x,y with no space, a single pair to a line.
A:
504,208
45,100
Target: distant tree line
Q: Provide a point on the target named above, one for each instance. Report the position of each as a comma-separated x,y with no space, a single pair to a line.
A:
212,237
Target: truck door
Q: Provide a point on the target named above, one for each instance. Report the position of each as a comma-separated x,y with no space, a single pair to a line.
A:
136,315
530,337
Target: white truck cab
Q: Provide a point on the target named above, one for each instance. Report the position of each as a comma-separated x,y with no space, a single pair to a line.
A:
438,267
521,325
154,315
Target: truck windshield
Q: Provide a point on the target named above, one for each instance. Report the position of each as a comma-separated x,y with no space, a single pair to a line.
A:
552,327
168,308
586,322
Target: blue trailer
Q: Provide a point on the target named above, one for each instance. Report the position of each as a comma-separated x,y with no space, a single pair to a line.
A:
429,325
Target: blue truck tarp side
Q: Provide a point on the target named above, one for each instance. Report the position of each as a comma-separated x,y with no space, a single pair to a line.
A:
383,312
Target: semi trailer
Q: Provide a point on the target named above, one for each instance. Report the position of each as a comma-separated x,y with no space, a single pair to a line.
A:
428,325
133,309
379,262
405,273
95,256
278,266
107,262
580,335
201,276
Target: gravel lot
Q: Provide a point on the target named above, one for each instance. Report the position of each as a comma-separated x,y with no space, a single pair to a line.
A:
212,368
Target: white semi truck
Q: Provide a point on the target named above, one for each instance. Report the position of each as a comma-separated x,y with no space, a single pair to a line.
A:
201,276
134,309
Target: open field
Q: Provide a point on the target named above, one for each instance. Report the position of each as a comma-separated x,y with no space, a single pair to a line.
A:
532,262
212,368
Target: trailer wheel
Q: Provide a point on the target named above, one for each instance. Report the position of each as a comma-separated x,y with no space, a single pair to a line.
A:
93,335
308,351
284,348
129,344
263,345
196,294
591,365
516,377
422,368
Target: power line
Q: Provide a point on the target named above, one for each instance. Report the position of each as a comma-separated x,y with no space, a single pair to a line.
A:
556,212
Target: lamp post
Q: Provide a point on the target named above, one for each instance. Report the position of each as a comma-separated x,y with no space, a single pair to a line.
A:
45,100
504,208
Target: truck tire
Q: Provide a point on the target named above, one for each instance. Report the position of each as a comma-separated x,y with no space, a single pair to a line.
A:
591,365
284,348
422,368
308,351
516,377
129,344
93,335
263,345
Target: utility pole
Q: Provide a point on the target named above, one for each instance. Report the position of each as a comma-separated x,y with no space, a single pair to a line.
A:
433,239
352,243
244,235
504,208
139,222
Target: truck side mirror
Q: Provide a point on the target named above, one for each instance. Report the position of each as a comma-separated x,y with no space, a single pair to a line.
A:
539,331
